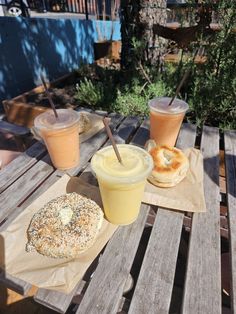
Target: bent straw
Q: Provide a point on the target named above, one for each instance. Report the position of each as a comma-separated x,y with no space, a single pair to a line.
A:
186,74
105,122
49,97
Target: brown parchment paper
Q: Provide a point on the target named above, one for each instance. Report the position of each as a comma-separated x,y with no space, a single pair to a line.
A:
186,196
57,274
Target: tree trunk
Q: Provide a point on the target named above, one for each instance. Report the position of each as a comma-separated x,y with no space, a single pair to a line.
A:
139,43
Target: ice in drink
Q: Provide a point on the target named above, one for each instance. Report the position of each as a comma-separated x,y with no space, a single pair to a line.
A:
61,136
165,120
122,185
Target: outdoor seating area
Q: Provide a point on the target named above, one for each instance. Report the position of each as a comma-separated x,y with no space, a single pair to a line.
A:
118,157
158,271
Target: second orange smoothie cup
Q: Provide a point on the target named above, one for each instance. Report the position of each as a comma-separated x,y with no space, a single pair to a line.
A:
122,185
165,120
61,136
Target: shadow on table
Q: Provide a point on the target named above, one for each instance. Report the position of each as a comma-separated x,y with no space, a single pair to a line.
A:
11,302
210,168
230,161
7,142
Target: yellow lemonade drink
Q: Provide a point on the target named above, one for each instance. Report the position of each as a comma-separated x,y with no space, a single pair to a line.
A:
122,185
61,136
165,120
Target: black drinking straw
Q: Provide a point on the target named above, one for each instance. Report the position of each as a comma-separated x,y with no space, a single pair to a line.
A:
49,97
105,122
186,74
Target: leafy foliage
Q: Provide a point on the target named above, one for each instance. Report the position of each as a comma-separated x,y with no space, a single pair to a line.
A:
134,100
89,93
210,89
129,95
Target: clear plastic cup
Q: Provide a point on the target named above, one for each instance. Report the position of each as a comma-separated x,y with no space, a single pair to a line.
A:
61,136
165,120
122,185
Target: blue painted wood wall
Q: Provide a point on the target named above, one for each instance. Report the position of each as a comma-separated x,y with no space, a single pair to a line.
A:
29,47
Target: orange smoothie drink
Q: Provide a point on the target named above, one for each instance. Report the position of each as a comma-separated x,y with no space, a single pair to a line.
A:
122,185
165,120
61,136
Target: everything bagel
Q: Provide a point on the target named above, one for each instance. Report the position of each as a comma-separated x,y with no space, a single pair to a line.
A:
170,165
65,227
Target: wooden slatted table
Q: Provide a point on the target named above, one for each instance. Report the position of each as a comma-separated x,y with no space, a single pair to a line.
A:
155,282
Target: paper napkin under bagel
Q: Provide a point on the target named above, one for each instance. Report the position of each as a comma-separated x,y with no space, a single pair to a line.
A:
57,274
188,195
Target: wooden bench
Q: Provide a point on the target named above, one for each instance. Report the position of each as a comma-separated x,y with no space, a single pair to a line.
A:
19,133
155,287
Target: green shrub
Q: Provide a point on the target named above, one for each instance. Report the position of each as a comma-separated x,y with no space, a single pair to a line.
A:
212,89
89,93
116,91
133,100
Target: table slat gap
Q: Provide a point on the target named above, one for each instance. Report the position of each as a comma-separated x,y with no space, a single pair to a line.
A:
230,163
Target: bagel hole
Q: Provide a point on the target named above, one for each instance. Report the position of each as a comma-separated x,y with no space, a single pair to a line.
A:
167,156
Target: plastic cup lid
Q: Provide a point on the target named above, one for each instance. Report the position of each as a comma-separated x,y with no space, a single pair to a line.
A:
161,105
47,120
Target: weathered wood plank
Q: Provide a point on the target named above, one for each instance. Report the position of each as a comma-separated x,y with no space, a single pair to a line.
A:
154,296
8,281
55,300
17,210
202,292
230,163
187,136
15,284
142,134
126,130
25,185
154,287
18,166
7,127
106,287
51,298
